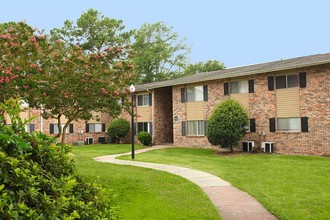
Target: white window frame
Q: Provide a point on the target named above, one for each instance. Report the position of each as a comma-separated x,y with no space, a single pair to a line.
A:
195,94
289,124
94,127
62,125
196,128
145,100
243,87
148,127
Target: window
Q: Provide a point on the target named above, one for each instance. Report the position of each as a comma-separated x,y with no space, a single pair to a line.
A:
195,94
288,124
196,128
54,129
95,127
287,81
145,126
143,100
239,87
30,128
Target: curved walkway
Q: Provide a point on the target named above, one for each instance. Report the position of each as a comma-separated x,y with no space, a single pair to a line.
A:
230,202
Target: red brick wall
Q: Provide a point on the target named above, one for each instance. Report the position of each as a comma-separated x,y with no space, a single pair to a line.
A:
314,104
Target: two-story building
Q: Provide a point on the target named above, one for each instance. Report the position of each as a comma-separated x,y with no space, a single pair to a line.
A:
288,102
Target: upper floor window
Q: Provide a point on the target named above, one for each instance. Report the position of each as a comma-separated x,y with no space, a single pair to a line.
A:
239,87
195,94
143,100
287,81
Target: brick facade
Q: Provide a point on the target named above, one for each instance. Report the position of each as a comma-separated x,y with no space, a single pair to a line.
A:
314,104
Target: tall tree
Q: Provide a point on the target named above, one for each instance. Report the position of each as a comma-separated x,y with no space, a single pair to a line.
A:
93,32
202,67
159,52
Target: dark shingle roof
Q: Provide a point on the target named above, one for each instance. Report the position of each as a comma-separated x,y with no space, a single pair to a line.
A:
242,71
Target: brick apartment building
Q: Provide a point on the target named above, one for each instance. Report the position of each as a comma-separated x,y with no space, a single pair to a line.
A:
288,102
79,132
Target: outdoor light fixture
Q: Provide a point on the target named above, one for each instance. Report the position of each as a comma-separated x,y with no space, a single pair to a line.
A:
132,90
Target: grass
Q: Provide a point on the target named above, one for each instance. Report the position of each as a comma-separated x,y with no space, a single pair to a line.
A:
291,187
144,193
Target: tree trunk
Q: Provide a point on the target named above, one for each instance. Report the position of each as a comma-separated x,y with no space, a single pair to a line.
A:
59,126
67,124
231,150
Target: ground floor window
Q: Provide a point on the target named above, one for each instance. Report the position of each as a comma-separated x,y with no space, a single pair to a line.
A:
144,126
289,124
196,128
95,127
54,129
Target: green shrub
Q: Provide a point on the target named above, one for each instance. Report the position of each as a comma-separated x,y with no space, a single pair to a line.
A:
38,178
118,129
227,124
145,138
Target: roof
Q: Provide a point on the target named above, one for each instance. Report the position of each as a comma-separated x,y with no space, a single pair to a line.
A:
286,64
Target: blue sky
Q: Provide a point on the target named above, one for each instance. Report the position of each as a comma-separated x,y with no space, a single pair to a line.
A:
235,32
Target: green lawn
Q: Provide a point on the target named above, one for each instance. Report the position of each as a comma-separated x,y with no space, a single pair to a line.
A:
144,193
291,187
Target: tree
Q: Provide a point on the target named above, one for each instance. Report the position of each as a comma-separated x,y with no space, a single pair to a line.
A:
118,129
22,51
64,80
93,32
202,67
227,124
159,53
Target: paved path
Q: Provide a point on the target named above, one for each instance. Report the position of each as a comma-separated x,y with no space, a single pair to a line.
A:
231,203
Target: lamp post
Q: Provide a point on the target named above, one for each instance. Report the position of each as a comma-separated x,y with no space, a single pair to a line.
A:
132,90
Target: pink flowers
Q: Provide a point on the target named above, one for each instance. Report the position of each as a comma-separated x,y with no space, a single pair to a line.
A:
25,87
58,41
116,92
33,65
40,69
44,94
33,39
104,91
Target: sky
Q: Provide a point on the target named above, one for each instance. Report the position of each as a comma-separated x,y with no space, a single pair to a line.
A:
235,32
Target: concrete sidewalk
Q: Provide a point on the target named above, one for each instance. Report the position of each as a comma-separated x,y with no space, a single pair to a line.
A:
230,202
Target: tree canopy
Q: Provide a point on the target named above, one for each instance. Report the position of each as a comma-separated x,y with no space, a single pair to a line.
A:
62,79
227,124
93,32
202,67
159,52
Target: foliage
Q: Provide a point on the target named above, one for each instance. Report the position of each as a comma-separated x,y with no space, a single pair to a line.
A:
118,129
93,31
21,52
160,54
227,124
60,78
145,138
202,67
38,179
276,181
